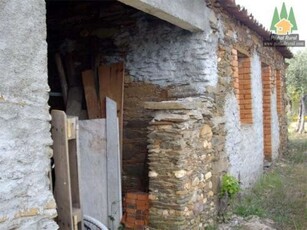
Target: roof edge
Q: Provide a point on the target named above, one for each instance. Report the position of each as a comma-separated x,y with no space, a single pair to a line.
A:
241,14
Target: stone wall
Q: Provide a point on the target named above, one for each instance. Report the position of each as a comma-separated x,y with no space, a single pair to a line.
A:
162,62
136,119
244,142
26,201
180,156
165,55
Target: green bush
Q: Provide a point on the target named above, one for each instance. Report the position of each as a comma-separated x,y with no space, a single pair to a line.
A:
230,186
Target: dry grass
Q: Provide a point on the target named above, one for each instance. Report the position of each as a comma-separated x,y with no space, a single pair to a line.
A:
281,194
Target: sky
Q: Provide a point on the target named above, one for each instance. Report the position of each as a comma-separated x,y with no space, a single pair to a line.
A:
263,11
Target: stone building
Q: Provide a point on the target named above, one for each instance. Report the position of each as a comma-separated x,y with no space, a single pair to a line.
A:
202,97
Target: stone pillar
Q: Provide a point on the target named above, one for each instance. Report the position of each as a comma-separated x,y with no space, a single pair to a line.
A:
26,200
180,153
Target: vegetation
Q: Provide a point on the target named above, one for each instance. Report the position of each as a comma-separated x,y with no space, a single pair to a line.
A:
281,194
230,186
297,76
297,87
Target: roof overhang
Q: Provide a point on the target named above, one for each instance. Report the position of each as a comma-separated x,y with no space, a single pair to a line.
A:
248,20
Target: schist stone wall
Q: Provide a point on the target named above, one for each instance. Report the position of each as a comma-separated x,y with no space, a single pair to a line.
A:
244,141
193,137
26,201
180,158
162,62
166,63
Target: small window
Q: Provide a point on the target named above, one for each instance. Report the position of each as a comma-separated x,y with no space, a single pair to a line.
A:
241,65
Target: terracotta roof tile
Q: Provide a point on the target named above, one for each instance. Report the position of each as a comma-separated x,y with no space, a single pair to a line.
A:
241,14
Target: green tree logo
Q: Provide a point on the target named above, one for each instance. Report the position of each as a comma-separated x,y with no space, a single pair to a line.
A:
291,18
277,18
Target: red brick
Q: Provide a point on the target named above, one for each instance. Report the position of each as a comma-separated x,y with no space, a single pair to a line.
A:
130,220
131,196
142,196
139,222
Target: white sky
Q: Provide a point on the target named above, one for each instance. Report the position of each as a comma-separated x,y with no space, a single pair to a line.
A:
263,11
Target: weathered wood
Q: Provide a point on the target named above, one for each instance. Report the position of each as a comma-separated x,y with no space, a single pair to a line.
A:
119,82
111,84
104,83
62,77
73,148
113,165
62,188
93,106
71,128
70,70
74,178
67,193
74,101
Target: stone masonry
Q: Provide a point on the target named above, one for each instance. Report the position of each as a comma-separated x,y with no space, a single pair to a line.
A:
244,141
180,156
26,201
162,62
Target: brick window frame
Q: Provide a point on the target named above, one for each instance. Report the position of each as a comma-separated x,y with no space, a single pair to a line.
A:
267,77
279,92
241,66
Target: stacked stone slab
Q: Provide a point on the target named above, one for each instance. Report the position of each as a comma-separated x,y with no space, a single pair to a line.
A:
180,153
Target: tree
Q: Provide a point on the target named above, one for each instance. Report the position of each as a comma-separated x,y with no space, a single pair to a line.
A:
301,115
291,18
297,74
297,85
275,19
283,13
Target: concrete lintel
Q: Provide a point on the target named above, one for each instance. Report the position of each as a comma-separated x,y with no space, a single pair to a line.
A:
187,14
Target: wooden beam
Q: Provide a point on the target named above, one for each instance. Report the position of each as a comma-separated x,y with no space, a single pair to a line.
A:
74,101
104,84
93,107
62,188
62,77
111,84
65,154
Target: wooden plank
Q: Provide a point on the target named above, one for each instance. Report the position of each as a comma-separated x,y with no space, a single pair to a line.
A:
62,77
113,166
73,143
119,98
74,101
70,70
93,169
71,128
62,188
93,107
104,82
111,84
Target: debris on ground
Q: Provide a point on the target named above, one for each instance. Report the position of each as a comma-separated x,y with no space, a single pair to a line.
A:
248,223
